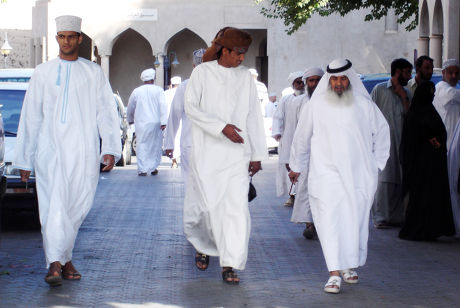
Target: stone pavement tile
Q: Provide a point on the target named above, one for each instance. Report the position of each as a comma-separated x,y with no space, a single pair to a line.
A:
132,252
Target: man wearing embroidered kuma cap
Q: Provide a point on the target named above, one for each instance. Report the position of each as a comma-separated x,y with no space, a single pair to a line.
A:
68,108
228,140
341,141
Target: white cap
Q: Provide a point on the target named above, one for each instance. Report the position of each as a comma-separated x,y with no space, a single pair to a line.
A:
312,71
253,72
148,74
271,94
176,80
293,76
450,62
68,23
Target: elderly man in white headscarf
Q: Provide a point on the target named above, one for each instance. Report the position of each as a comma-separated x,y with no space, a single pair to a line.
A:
68,108
178,118
301,212
280,123
447,97
341,142
148,111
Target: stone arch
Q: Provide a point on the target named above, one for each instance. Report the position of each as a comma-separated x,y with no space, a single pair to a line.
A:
131,54
182,44
437,27
424,28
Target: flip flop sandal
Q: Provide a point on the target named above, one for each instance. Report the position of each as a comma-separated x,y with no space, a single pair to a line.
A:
71,275
333,284
348,276
229,274
52,280
203,260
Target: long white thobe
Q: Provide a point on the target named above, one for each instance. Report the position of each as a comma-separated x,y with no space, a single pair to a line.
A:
454,169
216,215
270,109
285,121
178,118
343,147
69,106
148,110
447,103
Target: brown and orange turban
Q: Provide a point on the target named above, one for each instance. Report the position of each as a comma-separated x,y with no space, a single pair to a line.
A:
230,38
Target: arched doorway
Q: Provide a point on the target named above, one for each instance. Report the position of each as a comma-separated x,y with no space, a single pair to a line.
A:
181,46
424,32
131,54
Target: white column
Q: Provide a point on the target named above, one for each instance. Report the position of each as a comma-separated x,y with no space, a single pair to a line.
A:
423,46
436,50
105,65
159,73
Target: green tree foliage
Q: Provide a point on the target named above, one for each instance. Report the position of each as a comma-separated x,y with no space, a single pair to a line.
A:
296,12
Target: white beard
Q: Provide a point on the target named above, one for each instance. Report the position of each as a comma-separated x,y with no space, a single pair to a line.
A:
299,92
346,99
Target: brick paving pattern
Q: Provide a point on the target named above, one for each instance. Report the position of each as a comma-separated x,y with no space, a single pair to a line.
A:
131,252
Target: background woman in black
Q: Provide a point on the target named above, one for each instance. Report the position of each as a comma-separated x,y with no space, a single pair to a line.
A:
423,155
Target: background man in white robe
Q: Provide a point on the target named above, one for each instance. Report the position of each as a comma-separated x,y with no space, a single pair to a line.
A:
262,92
301,212
178,118
169,97
447,97
68,108
148,111
281,127
228,140
447,103
393,100
341,141
270,108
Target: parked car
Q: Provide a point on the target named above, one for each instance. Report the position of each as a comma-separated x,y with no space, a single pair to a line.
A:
11,99
16,74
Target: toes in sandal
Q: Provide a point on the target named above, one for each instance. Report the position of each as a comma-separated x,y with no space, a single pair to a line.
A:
350,276
230,277
333,284
202,260
53,280
69,275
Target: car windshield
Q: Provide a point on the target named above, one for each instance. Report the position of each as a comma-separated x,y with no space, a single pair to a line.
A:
11,105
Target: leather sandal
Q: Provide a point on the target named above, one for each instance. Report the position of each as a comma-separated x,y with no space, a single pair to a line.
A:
203,260
350,276
333,285
229,276
53,280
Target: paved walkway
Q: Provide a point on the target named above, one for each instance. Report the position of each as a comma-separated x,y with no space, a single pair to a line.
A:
132,252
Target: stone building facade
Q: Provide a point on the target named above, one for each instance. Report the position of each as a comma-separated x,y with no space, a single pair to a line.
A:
126,37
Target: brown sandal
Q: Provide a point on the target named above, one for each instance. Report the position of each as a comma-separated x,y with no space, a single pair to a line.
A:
229,276
53,280
68,275
202,260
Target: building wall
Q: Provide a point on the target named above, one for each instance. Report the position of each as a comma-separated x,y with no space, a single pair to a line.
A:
21,42
369,45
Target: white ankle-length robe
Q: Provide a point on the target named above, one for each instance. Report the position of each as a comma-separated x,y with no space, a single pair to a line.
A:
68,107
148,110
216,214
342,146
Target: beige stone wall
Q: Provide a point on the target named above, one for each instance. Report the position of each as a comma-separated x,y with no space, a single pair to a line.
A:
21,42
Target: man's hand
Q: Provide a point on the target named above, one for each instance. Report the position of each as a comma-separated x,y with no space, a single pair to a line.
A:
399,90
162,127
435,143
169,153
277,137
294,176
109,162
254,167
231,132
25,174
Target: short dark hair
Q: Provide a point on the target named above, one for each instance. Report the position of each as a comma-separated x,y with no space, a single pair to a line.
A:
400,64
419,61
219,53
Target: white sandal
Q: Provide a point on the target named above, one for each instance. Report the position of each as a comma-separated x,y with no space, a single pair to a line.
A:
348,276
333,284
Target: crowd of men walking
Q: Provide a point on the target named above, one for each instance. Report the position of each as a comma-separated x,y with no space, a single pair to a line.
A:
343,153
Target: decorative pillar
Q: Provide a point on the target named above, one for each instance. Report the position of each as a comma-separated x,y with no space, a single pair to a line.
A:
105,65
423,46
159,72
436,50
